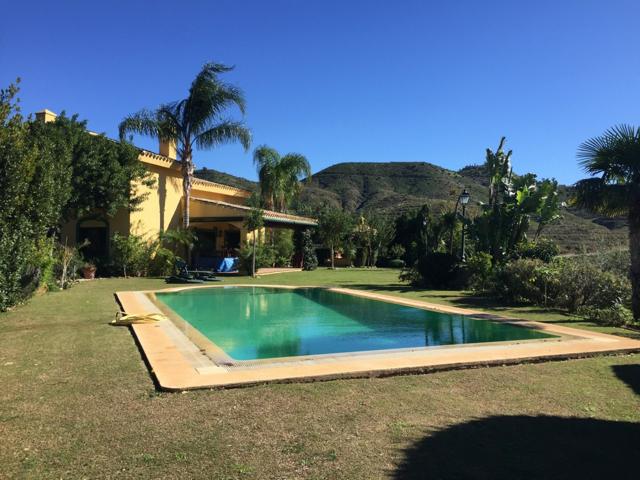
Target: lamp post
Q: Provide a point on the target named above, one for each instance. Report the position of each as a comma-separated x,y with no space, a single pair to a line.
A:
463,199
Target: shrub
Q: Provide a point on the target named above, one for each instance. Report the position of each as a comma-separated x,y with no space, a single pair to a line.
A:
435,270
520,281
68,261
616,261
395,263
162,263
130,253
581,283
264,257
543,249
565,283
396,251
283,247
616,315
480,271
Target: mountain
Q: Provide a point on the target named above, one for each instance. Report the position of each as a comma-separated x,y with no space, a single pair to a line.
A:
396,187
225,179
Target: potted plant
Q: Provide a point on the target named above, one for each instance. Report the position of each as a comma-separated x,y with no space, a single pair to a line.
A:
89,271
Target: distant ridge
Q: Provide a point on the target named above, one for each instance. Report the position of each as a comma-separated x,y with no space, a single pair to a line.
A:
396,187
225,178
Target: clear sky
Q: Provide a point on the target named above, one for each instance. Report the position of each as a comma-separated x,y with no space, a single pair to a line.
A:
346,80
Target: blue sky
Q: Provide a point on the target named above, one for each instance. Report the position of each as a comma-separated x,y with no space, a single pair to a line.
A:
346,80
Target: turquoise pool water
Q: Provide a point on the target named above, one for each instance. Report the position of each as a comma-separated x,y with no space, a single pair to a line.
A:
251,323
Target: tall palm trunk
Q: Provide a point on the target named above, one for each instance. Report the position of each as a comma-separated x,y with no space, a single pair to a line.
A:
187,168
187,182
253,261
634,248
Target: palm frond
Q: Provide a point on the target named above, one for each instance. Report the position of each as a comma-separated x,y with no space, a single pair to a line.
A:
614,155
225,132
169,125
266,160
295,165
209,97
265,155
144,122
596,195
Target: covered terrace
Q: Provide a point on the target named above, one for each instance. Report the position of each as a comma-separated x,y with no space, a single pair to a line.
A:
220,228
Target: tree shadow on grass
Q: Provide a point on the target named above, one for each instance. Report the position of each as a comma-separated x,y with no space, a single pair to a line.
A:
523,447
394,287
629,374
457,298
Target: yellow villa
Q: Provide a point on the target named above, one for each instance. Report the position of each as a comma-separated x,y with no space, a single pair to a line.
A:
217,212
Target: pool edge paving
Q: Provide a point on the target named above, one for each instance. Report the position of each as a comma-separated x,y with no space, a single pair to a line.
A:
178,364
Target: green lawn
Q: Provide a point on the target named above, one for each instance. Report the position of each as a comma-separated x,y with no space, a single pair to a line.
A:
77,401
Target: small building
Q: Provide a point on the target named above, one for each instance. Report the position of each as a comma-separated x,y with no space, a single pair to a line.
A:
217,212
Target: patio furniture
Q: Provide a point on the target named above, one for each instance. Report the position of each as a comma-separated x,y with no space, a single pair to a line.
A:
184,275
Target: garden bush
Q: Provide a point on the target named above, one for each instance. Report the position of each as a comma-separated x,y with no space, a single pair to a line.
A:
283,247
395,263
436,270
616,315
131,254
579,282
570,283
543,249
616,261
480,271
520,281
396,251
265,256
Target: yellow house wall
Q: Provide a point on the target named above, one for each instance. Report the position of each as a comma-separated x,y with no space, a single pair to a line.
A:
161,208
118,223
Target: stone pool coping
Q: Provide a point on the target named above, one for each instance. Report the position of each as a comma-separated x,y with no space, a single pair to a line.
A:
177,363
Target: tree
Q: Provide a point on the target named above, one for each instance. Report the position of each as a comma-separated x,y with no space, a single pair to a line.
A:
279,176
309,257
549,205
102,174
34,186
333,227
373,233
253,223
419,232
513,202
613,160
195,121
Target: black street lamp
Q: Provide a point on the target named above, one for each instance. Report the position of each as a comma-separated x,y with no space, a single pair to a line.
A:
463,199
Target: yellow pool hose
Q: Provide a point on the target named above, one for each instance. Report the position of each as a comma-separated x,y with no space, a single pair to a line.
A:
130,319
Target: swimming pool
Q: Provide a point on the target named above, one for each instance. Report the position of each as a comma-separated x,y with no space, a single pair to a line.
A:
257,323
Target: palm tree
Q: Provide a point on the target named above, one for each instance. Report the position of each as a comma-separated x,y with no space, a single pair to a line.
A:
614,159
279,176
195,121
